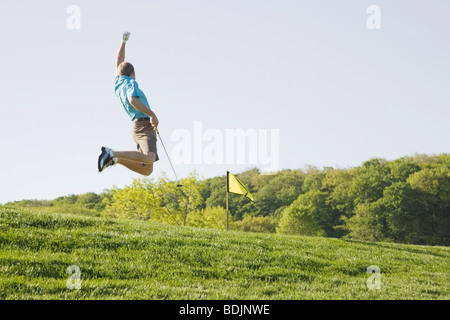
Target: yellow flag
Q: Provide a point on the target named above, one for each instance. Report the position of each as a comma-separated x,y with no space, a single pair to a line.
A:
235,186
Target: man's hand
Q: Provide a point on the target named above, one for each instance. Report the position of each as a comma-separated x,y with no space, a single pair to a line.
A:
154,122
125,36
121,54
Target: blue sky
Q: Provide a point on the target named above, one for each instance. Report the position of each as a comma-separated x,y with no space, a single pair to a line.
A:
338,93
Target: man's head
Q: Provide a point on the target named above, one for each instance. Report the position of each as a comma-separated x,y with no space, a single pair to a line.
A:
126,69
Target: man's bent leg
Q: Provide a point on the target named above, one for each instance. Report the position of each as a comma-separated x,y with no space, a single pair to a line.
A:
136,156
140,161
133,162
142,168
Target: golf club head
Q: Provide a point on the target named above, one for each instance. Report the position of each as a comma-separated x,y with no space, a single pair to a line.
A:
179,185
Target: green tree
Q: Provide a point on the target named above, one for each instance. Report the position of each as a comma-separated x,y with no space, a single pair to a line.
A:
215,218
278,190
255,224
370,181
367,222
213,192
159,201
308,215
405,213
137,201
401,169
89,200
336,185
433,185
313,179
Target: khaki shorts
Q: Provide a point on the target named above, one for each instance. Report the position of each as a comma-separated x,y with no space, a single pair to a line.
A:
145,137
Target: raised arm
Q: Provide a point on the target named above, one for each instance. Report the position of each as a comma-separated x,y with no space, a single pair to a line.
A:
121,54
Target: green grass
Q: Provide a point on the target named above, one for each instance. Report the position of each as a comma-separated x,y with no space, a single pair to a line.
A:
124,259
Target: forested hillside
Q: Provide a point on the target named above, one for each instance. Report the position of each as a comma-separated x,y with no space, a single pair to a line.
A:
405,200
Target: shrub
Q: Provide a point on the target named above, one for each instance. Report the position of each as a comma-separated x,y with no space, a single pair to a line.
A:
255,224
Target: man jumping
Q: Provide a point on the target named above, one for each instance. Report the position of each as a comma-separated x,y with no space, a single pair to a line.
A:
144,120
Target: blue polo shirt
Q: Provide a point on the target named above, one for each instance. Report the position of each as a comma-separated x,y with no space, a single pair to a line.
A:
125,88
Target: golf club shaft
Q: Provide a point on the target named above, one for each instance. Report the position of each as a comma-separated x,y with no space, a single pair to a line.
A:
178,183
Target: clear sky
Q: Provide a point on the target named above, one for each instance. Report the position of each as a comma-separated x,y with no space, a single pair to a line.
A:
338,92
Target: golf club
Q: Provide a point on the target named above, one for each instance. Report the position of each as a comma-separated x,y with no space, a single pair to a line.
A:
178,183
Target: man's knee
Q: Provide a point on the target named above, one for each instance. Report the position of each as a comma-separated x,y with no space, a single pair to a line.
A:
148,164
147,169
151,157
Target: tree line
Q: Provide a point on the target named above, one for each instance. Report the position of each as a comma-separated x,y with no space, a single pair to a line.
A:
406,200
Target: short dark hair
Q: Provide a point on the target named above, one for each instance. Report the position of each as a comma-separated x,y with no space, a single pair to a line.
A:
126,69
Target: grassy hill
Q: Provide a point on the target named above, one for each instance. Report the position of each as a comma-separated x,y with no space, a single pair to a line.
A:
125,259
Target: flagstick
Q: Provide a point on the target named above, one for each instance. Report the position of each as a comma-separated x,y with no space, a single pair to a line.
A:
227,199
227,210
